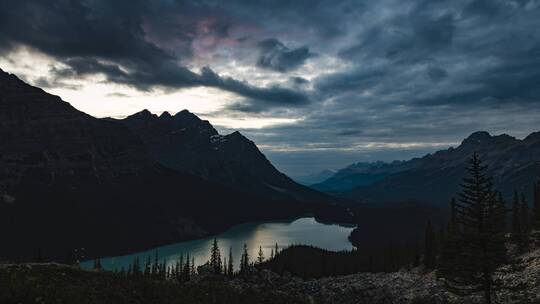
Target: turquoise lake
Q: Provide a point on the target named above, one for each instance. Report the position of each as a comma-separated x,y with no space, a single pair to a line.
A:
305,231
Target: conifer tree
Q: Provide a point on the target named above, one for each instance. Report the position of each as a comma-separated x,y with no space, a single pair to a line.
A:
230,268
536,206
260,257
136,266
481,242
156,264
97,264
515,235
181,267
525,221
276,250
186,272
244,261
147,266
192,268
215,258
450,248
429,247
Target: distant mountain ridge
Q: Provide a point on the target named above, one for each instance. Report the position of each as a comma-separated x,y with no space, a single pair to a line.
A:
314,178
359,174
185,142
514,164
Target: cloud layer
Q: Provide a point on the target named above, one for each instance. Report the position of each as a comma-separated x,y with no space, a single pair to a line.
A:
364,80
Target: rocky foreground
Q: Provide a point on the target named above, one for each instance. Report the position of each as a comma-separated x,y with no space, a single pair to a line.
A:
54,283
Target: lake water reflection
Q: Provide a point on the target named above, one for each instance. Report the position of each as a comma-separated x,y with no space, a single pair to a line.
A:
305,231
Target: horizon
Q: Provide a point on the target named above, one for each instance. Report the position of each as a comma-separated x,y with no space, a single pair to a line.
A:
410,151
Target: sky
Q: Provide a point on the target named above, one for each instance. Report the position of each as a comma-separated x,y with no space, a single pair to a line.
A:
315,84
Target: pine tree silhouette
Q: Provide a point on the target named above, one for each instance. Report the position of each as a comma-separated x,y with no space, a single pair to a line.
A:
260,257
230,268
215,258
525,223
515,234
244,261
481,243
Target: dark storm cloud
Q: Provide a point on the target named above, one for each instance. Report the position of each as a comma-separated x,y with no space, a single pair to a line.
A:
109,38
276,56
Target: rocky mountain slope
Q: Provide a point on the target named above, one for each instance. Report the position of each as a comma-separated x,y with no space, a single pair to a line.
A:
514,164
68,180
186,143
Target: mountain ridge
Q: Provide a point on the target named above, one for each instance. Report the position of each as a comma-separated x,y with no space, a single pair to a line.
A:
513,163
185,142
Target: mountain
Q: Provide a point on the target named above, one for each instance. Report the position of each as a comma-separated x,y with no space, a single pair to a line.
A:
359,174
314,178
69,180
186,143
514,164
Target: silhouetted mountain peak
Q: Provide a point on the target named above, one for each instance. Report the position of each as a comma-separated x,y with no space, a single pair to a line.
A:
477,137
185,114
165,115
144,114
533,137
236,135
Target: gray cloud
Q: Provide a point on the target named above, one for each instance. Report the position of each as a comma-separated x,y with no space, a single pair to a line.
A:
276,56
104,37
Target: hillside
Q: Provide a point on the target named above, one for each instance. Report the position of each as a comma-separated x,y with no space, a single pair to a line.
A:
67,284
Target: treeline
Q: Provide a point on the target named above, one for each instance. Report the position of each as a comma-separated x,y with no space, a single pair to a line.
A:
312,262
183,269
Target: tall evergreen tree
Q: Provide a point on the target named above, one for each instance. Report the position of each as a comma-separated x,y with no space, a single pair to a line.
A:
429,247
230,268
181,267
515,234
97,264
244,261
215,258
147,266
536,207
260,257
525,223
186,273
155,266
192,268
481,242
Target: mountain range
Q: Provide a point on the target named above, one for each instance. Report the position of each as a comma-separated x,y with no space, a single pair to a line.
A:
514,164
186,143
70,181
